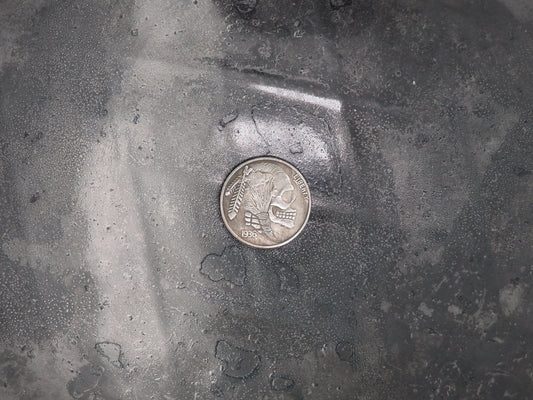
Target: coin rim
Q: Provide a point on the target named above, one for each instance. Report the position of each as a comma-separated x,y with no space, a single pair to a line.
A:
226,224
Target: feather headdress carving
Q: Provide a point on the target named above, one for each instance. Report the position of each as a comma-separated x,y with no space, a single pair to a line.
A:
237,190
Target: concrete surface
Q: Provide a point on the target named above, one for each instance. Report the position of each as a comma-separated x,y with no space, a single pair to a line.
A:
412,121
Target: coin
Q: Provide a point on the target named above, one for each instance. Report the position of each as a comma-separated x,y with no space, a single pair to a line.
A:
265,202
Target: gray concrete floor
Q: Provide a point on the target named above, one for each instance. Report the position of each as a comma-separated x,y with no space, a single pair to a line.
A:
412,121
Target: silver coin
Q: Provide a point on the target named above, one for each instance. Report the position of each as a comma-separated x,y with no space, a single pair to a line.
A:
265,202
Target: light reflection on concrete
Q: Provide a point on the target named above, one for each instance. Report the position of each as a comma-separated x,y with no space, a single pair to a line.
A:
329,103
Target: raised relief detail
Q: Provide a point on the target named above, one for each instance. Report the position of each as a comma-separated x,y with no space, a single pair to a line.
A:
265,202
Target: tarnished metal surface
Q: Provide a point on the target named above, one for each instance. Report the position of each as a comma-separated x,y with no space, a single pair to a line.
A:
265,202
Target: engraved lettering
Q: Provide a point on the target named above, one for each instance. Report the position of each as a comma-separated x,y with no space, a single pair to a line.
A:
301,184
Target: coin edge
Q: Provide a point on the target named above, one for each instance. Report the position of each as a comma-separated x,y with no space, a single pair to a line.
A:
226,224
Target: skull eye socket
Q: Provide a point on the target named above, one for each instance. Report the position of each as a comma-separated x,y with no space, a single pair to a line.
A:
287,196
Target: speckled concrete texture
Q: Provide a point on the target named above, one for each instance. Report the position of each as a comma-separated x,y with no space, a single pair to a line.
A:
411,120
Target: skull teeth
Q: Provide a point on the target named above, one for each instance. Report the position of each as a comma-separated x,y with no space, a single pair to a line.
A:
290,215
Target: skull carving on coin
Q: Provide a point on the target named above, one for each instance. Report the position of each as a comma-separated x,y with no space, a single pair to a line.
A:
265,202
266,194
282,198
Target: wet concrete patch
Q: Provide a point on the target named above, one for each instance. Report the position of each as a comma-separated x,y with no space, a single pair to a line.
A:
112,352
238,363
345,351
281,383
228,266
87,380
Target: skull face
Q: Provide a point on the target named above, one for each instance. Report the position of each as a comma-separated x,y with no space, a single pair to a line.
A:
282,198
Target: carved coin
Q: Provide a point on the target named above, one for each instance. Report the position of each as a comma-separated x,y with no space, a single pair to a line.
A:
265,202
